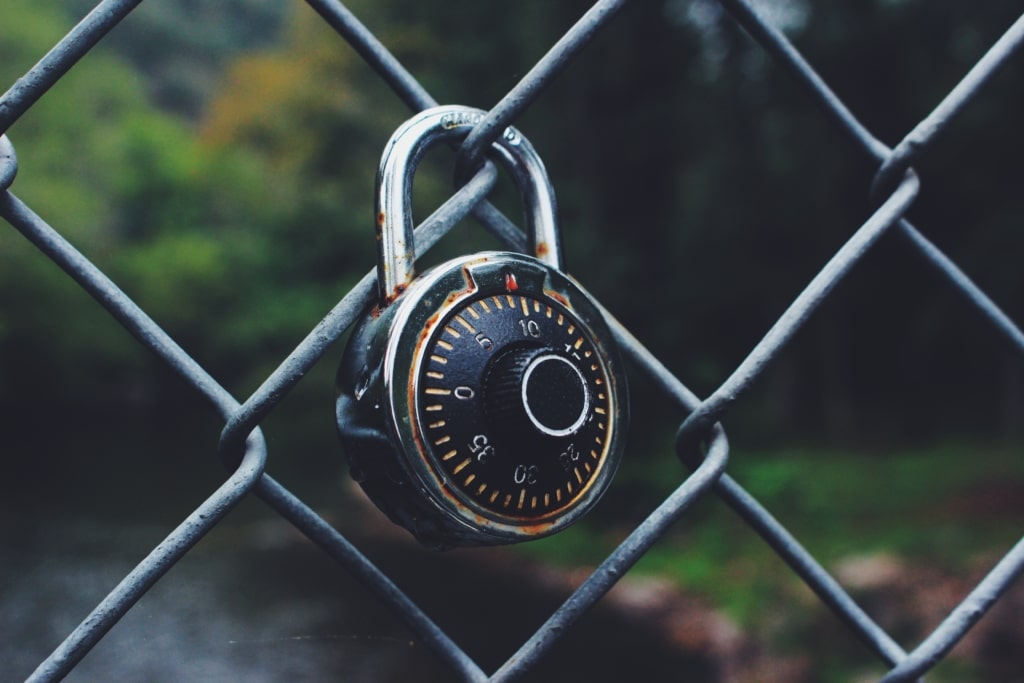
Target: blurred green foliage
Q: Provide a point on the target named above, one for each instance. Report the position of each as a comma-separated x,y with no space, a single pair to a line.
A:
217,160
936,506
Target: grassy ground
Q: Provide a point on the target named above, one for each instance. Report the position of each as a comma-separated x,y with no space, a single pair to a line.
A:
919,524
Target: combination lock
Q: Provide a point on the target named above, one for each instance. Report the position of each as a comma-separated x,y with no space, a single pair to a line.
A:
482,402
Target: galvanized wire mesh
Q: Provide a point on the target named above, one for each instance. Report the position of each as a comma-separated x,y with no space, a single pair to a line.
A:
701,441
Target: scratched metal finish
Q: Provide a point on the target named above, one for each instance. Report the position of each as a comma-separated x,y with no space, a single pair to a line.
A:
893,191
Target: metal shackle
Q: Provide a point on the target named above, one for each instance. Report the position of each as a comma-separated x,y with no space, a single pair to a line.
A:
405,149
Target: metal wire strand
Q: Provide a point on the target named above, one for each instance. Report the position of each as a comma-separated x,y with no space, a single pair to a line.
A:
27,90
205,517
530,86
801,309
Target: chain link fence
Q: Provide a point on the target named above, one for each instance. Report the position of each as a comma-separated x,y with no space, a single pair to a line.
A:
701,441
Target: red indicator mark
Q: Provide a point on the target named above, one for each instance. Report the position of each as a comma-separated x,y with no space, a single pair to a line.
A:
510,282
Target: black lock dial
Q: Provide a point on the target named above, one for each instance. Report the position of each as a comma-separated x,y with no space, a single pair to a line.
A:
513,405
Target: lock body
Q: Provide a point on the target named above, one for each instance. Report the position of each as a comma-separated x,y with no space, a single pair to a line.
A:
482,407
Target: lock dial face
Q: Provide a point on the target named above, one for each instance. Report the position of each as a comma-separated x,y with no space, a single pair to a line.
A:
513,402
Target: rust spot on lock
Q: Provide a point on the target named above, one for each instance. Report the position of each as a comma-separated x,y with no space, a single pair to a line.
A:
542,249
399,288
559,297
421,341
536,529
381,217
428,327
531,530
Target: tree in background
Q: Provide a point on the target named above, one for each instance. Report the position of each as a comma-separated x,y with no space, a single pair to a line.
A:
699,189
171,220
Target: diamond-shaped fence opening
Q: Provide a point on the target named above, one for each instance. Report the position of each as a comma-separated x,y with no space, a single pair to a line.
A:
700,441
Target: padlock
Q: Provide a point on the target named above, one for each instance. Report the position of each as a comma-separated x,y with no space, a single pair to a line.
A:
482,402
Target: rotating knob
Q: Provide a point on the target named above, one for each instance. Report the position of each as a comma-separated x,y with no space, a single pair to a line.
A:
537,389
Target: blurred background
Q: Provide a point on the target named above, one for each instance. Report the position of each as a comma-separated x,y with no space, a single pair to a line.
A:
216,158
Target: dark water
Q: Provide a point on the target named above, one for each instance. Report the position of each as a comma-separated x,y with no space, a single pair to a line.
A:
255,602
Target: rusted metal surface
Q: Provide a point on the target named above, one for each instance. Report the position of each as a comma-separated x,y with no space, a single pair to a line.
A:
402,155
